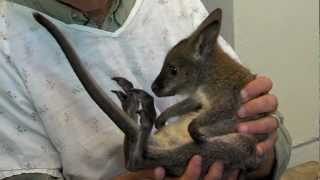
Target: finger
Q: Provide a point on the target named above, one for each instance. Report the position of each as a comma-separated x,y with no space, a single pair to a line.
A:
234,175
263,125
193,170
260,85
159,173
215,171
266,103
268,144
143,174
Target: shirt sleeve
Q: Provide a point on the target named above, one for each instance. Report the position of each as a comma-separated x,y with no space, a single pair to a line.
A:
283,151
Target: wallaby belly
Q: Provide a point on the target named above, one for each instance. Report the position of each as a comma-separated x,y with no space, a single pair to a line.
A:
175,134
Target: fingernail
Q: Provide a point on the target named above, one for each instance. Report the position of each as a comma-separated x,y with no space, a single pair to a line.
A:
244,95
159,173
219,165
259,151
198,160
242,112
243,128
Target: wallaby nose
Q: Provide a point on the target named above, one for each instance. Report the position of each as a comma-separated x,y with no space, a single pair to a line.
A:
156,87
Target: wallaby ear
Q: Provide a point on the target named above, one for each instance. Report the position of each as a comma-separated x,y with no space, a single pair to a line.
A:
205,37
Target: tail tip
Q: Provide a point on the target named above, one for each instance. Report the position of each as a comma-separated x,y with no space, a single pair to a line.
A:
37,16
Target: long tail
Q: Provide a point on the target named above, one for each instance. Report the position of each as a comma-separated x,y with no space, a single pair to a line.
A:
119,117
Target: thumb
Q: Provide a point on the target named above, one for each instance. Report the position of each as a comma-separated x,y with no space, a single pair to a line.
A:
159,173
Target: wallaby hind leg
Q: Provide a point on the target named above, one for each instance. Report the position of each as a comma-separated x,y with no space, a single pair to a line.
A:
147,118
131,99
130,104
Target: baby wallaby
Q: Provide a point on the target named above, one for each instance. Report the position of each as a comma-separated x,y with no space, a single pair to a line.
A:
197,67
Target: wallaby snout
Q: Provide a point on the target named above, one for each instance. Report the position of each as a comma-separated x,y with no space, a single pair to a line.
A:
158,88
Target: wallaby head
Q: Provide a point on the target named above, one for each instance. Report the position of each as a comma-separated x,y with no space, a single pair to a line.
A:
183,66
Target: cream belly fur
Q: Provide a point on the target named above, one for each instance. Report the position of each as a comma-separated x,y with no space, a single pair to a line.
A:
176,134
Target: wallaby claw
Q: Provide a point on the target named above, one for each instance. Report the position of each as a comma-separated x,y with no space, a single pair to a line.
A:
160,122
123,83
121,95
129,102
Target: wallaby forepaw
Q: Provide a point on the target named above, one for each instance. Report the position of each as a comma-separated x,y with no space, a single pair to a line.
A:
196,135
160,122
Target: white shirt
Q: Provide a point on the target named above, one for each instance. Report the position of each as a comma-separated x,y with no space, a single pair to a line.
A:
47,121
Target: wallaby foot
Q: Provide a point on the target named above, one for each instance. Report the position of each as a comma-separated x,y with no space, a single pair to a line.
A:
129,102
131,99
147,115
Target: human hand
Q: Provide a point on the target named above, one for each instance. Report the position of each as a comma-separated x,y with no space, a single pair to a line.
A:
138,175
193,171
257,100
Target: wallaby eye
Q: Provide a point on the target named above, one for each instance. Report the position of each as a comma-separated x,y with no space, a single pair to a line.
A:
173,70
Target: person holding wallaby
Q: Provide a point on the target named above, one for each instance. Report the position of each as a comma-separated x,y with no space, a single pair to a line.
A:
41,87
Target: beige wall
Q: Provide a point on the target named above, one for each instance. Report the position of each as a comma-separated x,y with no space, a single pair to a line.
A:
281,40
